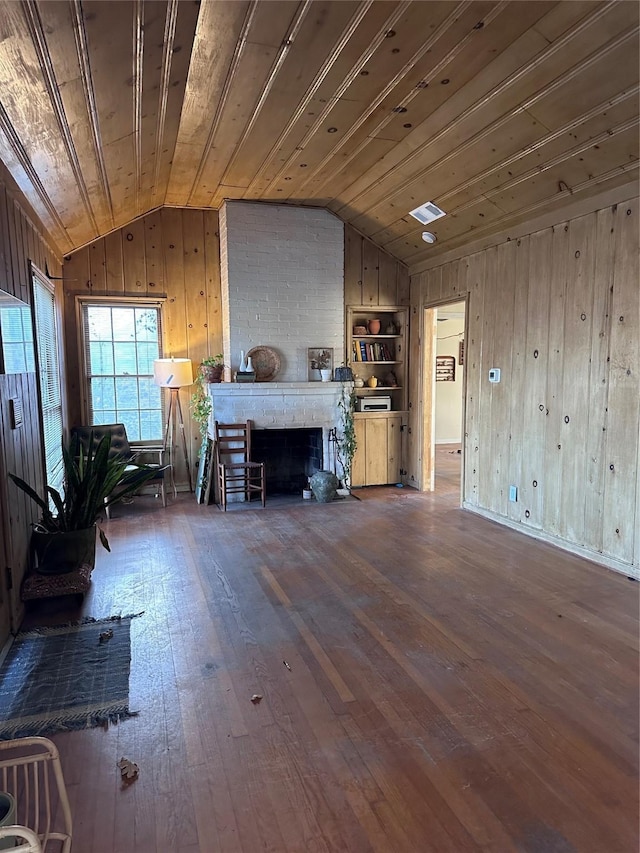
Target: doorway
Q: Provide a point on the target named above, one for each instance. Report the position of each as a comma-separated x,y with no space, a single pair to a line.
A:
449,397
444,332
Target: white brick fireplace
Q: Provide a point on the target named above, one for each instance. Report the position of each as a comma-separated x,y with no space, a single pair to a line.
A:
282,270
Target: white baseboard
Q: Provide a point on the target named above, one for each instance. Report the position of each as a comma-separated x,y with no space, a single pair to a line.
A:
449,441
594,556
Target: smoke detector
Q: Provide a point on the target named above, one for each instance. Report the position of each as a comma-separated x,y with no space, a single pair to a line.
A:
427,212
428,237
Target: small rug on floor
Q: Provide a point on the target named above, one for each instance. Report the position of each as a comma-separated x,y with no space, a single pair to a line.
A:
67,677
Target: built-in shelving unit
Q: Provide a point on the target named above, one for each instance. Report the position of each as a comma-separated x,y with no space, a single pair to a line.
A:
381,355
378,459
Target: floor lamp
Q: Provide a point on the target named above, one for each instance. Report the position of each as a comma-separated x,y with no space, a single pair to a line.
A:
174,374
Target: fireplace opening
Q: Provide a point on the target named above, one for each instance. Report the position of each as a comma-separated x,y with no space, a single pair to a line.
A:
291,456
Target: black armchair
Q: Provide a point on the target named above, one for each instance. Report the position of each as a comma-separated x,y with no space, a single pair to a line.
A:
121,448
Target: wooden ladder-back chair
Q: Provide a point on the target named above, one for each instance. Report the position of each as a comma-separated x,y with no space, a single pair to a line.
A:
30,771
121,449
236,472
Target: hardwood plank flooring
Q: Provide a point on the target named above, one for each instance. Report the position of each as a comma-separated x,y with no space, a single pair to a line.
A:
450,685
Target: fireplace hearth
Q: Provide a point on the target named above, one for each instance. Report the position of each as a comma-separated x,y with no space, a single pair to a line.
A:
281,406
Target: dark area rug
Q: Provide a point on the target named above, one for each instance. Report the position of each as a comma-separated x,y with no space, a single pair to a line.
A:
67,677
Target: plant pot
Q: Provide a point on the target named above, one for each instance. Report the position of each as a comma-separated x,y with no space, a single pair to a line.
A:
323,485
7,817
212,373
60,553
325,374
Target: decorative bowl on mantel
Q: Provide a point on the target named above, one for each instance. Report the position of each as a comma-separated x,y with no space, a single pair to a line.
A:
266,363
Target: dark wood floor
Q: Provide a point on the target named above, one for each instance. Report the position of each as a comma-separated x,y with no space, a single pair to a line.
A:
453,685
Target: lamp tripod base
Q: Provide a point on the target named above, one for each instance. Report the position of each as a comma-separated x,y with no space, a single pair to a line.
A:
175,409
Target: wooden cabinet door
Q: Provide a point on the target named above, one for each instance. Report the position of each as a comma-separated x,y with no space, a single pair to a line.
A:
358,467
377,459
394,448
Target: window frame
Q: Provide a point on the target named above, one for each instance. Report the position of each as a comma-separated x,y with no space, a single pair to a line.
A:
115,302
36,275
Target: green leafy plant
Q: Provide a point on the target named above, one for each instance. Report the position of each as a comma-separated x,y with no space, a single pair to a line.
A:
213,360
92,482
346,442
201,410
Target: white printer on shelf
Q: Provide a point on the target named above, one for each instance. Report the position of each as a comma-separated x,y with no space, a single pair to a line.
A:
374,404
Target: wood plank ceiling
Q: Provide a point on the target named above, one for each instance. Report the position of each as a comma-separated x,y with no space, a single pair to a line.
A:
496,111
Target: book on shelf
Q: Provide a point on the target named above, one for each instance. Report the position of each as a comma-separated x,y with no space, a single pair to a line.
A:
365,351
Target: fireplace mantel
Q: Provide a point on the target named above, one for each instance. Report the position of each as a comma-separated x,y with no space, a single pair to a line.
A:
276,405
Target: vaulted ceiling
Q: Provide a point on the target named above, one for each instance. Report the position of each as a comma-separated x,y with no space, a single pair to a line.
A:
495,111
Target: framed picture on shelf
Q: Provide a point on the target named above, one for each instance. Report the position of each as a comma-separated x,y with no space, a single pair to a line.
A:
320,364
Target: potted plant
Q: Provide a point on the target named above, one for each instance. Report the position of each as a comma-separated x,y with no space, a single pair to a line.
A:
211,368
65,538
346,442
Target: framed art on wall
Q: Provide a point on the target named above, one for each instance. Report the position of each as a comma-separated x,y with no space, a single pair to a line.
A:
320,363
445,368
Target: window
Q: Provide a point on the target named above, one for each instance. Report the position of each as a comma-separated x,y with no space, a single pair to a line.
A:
16,333
44,312
121,340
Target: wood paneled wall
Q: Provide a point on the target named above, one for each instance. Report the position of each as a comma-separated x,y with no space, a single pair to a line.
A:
371,275
22,239
172,253
558,312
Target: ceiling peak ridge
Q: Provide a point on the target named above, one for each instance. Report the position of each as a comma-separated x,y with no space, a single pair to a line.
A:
167,55
320,77
364,57
283,51
82,52
224,97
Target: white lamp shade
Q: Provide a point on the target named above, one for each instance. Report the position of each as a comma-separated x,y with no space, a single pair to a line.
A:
172,372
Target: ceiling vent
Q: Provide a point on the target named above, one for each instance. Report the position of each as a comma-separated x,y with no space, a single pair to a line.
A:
427,212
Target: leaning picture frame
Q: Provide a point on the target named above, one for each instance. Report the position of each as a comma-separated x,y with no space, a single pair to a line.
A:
319,362
205,472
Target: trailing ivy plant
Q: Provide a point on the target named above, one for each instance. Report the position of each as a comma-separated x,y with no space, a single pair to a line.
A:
201,410
346,443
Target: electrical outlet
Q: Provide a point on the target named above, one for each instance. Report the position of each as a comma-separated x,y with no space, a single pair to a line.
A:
513,493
